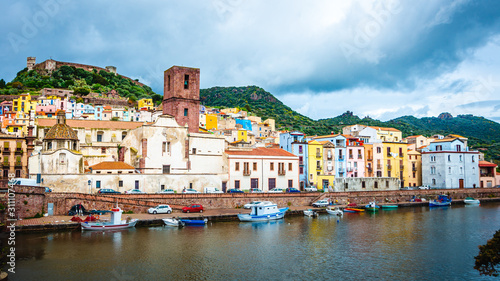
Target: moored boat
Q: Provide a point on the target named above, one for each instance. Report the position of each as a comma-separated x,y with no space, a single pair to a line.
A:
389,207
264,211
353,210
372,207
471,201
441,201
310,213
335,211
116,222
194,222
173,222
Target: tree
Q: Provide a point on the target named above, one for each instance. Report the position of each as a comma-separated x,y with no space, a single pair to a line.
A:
489,256
2,83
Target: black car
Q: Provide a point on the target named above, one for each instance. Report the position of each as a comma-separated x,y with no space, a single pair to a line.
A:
108,191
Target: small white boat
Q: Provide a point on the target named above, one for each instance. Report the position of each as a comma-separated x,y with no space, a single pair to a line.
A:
116,222
310,213
173,222
264,211
335,211
471,201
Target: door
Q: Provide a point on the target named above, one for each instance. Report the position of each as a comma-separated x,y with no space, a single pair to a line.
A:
461,183
272,183
224,186
325,185
50,209
136,184
254,183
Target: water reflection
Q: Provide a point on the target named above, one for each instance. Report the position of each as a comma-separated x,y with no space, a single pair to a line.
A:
415,243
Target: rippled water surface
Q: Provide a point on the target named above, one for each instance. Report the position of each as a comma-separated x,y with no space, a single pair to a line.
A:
405,244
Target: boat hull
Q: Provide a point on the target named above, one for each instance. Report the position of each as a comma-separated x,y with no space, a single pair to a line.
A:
310,213
173,222
389,207
372,209
335,212
194,222
107,226
439,204
472,202
353,210
266,217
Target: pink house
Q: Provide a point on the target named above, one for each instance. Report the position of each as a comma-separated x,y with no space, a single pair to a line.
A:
355,157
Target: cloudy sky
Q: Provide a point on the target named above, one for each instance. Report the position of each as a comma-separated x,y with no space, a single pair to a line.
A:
383,59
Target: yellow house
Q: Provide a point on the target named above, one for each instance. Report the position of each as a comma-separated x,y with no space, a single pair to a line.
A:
242,135
414,171
230,110
321,163
395,160
211,121
145,103
388,134
24,103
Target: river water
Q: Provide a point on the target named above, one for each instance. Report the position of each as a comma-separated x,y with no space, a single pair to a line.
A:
406,244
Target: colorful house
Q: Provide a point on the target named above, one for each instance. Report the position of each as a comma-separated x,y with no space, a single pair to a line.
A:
24,103
413,175
145,103
395,160
355,157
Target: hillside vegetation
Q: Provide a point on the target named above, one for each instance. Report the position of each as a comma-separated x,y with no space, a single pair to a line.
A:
483,134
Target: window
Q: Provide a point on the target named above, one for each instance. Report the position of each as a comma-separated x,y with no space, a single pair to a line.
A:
449,158
461,170
185,112
375,184
18,173
472,158
99,136
103,150
62,158
300,148
124,134
433,170
386,184
162,187
168,83
433,181
449,170
459,148
186,82
255,166
300,159
194,150
166,169
97,184
164,147
460,158
413,174
290,183
237,166
271,165
439,147
237,184
318,165
301,170
363,184
290,166
401,151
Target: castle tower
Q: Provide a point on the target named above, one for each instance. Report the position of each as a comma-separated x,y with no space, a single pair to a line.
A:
30,63
181,96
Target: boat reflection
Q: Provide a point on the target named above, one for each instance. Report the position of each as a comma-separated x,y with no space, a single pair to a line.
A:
260,224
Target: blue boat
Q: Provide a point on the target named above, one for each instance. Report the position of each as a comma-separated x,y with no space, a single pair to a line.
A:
441,201
194,222
264,211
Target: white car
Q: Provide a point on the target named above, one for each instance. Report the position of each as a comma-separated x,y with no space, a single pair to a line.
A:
321,203
255,190
134,191
160,209
311,189
190,190
423,187
166,191
253,203
276,190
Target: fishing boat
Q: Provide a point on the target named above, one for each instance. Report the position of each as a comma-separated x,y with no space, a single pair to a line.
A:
389,207
310,213
335,211
353,210
116,222
264,211
194,222
173,222
372,207
471,201
441,201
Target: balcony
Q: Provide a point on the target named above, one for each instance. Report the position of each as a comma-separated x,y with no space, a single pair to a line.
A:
6,151
18,164
389,154
19,151
318,168
389,167
341,158
247,172
281,172
402,155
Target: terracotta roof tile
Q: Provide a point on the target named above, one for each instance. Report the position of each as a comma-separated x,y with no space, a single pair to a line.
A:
112,165
486,164
385,129
262,151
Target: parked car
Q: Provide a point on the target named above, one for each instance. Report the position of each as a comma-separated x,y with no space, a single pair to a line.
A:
311,189
234,190
249,205
276,190
190,190
423,187
292,190
193,208
211,189
255,190
134,191
160,209
48,189
406,188
108,191
166,191
321,203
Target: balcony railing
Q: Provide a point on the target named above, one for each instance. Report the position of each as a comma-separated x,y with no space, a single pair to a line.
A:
247,172
281,172
6,150
341,158
19,151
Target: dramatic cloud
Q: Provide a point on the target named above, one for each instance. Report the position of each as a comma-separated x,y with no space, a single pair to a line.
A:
378,58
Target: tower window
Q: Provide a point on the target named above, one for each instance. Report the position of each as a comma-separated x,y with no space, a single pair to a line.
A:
186,81
185,112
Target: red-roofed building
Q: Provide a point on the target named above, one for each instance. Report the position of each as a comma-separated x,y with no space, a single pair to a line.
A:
487,174
263,168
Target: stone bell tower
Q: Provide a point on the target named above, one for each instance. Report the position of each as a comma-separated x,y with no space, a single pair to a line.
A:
181,96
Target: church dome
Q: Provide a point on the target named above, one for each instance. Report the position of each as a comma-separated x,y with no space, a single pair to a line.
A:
61,131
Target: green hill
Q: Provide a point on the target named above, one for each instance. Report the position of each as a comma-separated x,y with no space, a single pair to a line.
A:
80,81
483,134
